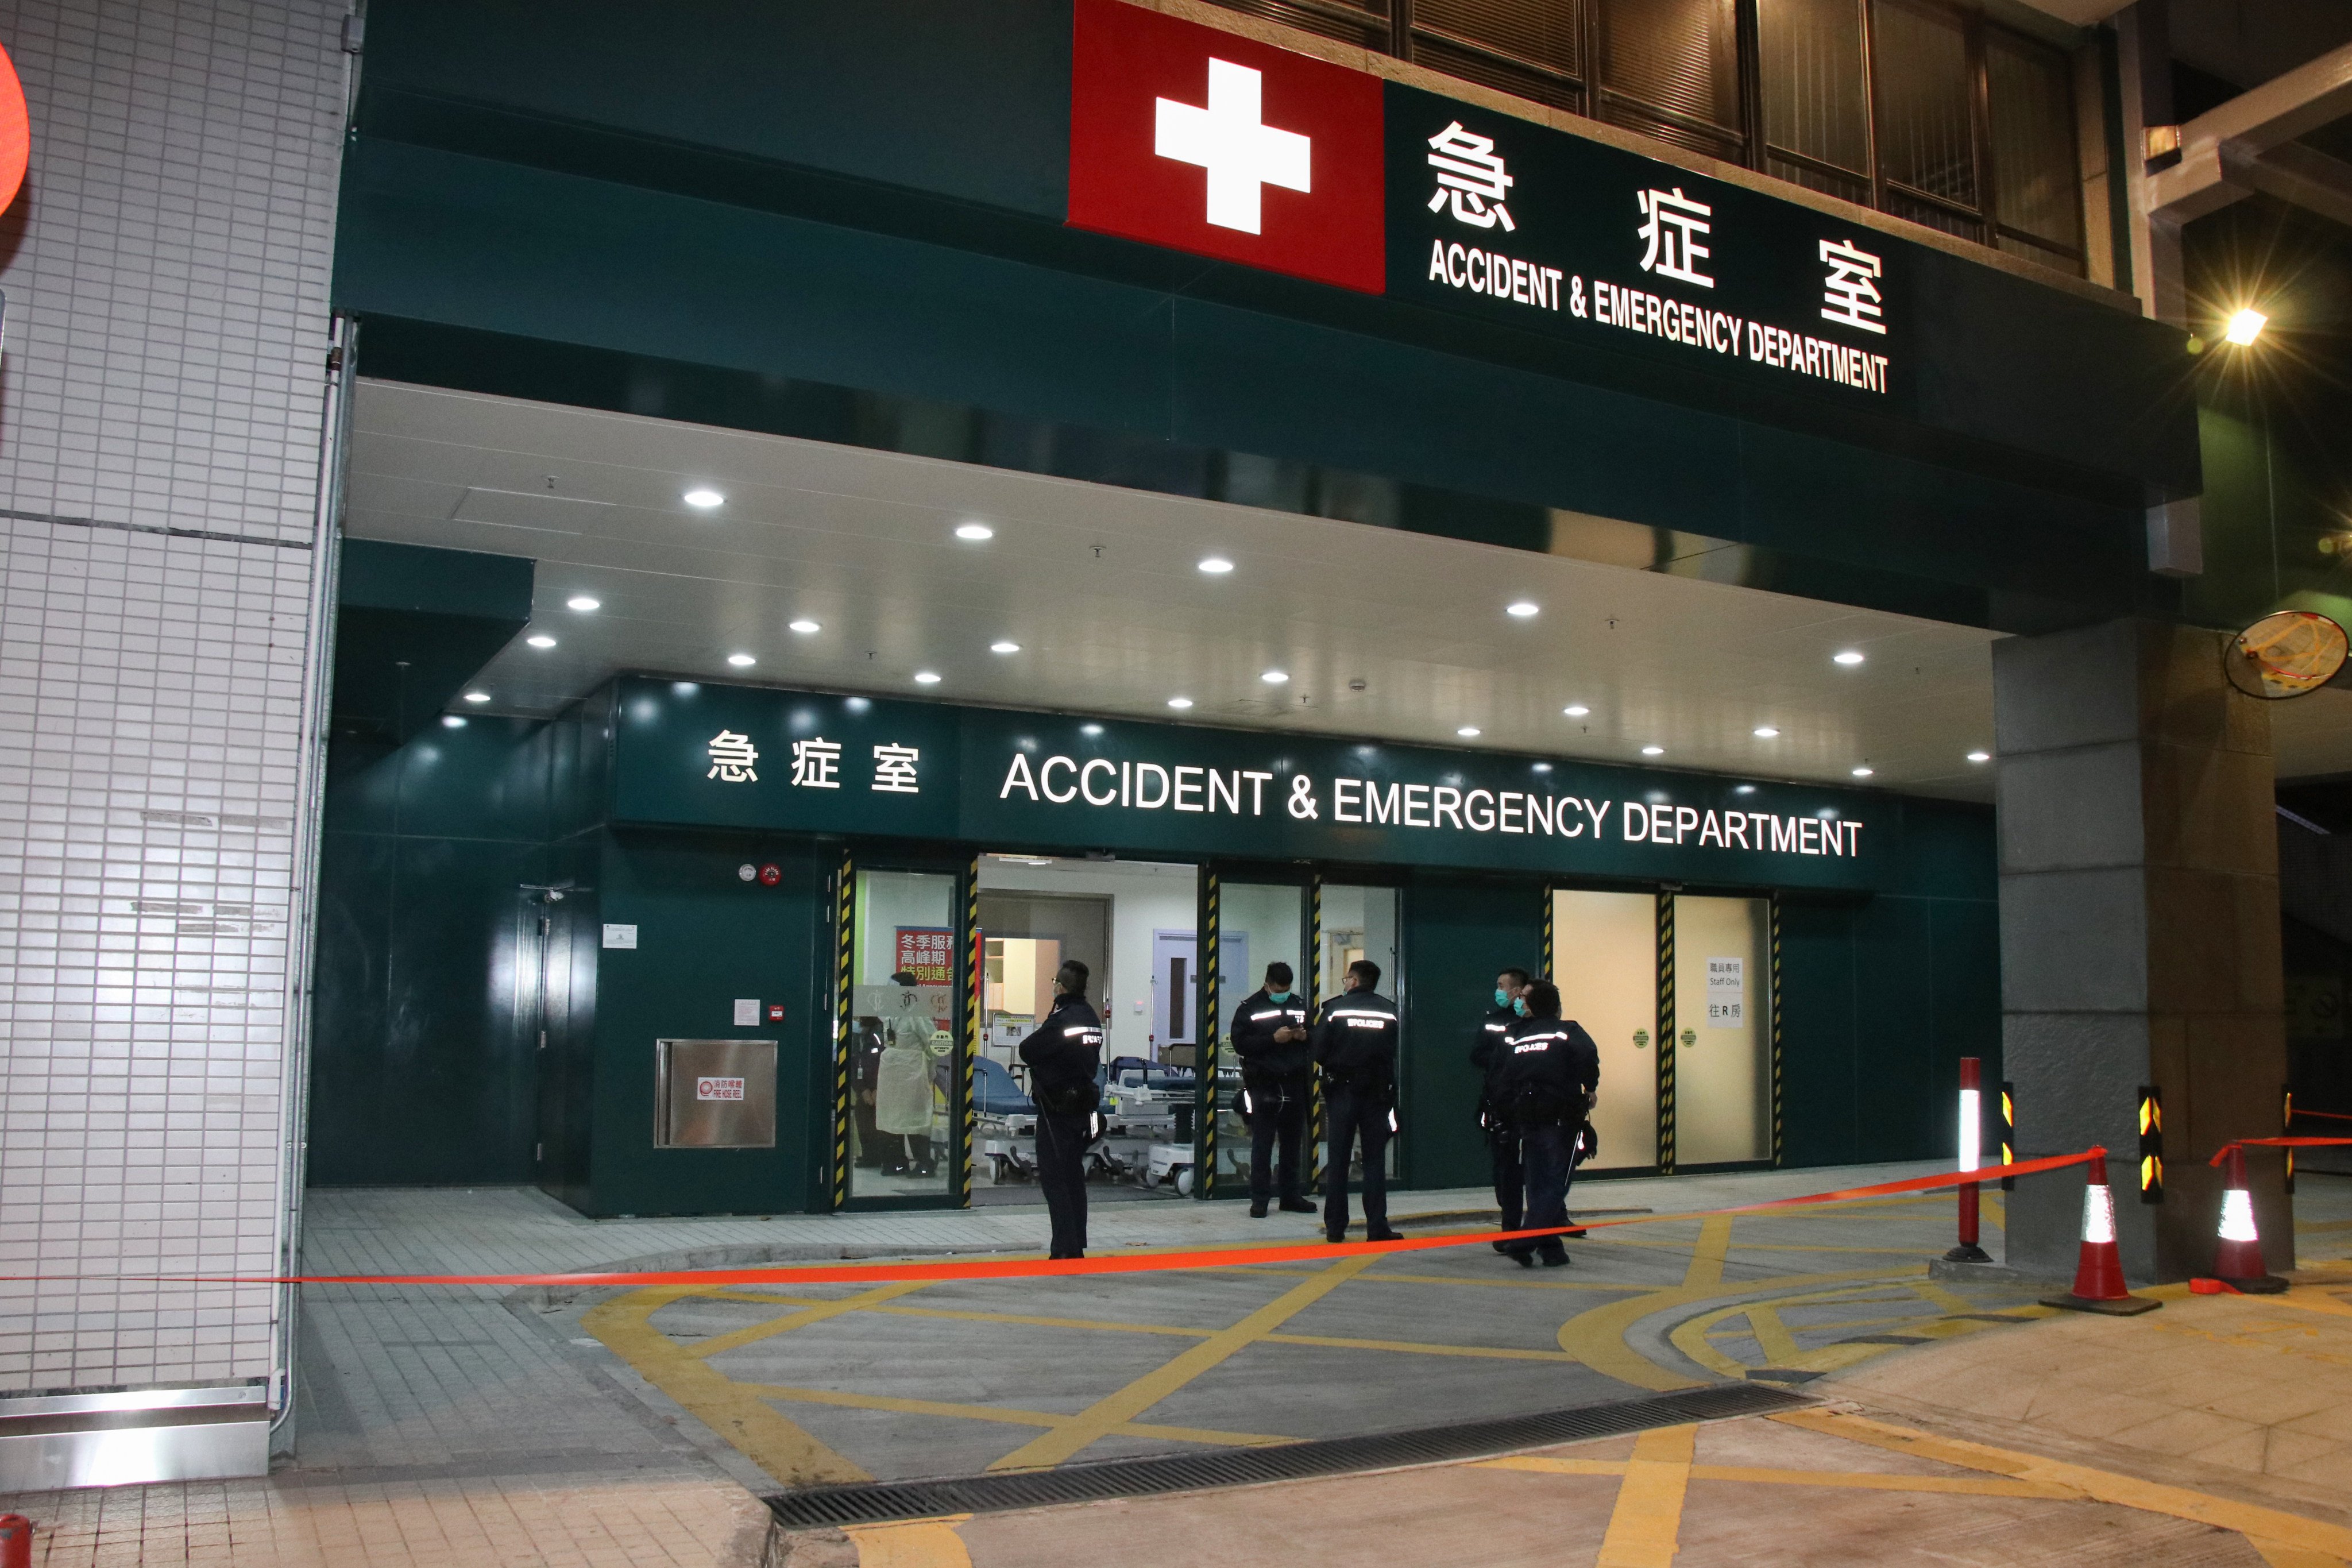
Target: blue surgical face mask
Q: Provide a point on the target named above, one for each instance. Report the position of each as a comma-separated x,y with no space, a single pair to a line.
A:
1502,998
1277,995
1520,1005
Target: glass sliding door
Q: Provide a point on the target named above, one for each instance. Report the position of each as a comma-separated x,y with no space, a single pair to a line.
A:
1723,1018
1258,923
1605,958
906,942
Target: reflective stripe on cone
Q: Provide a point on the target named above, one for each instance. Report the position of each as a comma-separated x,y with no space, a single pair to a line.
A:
2237,1250
2099,1269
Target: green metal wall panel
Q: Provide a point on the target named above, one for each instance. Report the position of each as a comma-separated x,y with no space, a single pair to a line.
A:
1458,931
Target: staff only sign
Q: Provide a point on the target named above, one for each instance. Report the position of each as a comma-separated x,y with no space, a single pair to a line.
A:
1187,136
718,755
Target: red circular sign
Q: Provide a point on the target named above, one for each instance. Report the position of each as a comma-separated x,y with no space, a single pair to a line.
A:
770,874
15,131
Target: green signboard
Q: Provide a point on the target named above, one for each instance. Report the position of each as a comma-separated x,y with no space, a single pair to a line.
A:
695,752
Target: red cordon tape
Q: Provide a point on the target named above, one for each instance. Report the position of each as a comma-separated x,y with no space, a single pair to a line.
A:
2324,1115
1124,1263
2223,1152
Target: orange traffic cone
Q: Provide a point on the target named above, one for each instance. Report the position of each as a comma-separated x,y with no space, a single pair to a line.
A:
2238,1253
2099,1271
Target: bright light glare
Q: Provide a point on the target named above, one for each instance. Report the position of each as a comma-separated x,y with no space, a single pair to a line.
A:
1179,702
927,678
1276,677
1861,772
1971,1120
1005,645
583,602
1090,729
453,720
1849,656
704,498
1522,609
543,640
478,696
975,531
1216,565
1980,756
2245,326
1653,750
741,660
1468,731
1766,732
806,627
1576,709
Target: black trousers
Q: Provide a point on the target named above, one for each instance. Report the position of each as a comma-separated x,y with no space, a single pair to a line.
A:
1510,1172
1062,1176
1548,1149
1349,1118
1277,1124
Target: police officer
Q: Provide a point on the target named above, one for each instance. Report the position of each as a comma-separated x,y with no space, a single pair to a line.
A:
1502,1139
1062,1054
1549,1072
1269,1035
1355,1044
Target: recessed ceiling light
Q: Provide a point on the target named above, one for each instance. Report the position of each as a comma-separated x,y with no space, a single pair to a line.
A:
1468,731
1653,750
927,678
975,531
1543,767
542,640
454,721
1745,789
1216,565
1766,732
1980,756
478,696
1522,609
703,498
1576,709
1179,702
806,627
1005,645
741,660
1090,729
1276,678
583,602
1849,655
1861,772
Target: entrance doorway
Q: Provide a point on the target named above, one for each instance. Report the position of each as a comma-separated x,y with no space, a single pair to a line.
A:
1723,1030
1605,958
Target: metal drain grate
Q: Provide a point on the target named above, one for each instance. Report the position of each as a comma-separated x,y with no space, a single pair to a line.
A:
867,1504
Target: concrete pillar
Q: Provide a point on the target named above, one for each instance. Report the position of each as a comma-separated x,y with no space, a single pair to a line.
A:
2139,934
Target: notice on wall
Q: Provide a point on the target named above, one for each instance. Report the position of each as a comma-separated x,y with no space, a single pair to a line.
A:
719,1089
923,953
621,936
1727,992
747,1012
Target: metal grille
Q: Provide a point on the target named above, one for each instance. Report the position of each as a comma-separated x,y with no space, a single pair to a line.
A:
818,1507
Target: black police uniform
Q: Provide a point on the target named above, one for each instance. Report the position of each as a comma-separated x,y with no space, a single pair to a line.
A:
1275,1076
1545,1086
1062,1054
1487,1054
1355,1044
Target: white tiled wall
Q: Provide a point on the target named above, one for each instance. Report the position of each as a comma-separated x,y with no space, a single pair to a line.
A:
161,400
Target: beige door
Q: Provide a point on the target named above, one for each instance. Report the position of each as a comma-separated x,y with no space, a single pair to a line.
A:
1605,960
1723,1026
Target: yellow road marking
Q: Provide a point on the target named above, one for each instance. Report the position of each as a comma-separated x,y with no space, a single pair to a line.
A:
1506,1283
735,1413
1008,1414
2310,1300
1411,1347
1859,1481
918,1543
1772,1336
1597,1336
1706,1268
736,1338
1749,1334
2269,1525
2278,1554
1647,1519
1118,1409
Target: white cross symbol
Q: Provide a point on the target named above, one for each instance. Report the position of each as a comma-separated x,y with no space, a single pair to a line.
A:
1229,139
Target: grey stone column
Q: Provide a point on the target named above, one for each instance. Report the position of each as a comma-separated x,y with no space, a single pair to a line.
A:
2139,934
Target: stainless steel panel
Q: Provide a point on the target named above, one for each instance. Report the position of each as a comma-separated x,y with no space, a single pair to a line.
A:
17,1408
714,1094
132,1456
